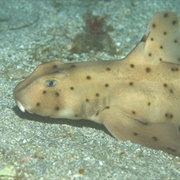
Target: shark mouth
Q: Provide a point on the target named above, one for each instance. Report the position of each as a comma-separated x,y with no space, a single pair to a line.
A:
21,107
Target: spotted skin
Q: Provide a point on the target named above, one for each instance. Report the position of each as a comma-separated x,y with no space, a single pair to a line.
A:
136,98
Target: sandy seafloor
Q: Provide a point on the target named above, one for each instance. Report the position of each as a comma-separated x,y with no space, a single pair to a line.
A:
32,147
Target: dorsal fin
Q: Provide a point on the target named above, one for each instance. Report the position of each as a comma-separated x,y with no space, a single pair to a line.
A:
163,40
161,44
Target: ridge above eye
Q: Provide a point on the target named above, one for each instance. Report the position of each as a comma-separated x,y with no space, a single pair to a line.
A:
50,83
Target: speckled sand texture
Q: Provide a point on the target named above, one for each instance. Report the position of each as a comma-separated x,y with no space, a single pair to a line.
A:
32,147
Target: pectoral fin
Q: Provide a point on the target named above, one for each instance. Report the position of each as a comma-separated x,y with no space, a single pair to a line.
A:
160,136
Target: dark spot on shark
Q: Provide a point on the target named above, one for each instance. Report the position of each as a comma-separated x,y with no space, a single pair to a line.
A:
174,22
97,94
166,15
155,138
174,69
165,85
133,112
57,94
56,108
54,66
169,115
153,25
132,65
88,77
38,104
131,83
135,133
73,65
148,69
170,90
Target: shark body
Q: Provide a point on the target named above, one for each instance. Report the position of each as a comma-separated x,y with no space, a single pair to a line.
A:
136,98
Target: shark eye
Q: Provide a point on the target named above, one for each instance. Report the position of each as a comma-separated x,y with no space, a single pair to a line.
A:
50,83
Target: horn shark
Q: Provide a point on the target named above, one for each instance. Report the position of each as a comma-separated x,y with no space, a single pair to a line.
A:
136,98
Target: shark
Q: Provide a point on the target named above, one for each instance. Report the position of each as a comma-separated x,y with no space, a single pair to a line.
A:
136,98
